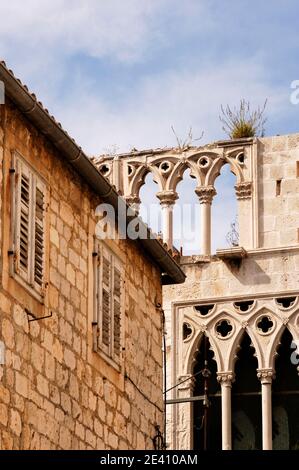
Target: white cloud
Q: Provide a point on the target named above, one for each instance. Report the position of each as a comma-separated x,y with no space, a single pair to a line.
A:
119,29
179,98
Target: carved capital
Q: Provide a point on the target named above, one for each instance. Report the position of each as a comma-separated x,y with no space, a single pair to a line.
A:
244,190
205,194
226,378
134,202
167,198
265,375
188,382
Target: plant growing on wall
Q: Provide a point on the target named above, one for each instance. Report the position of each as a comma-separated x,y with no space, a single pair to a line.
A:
243,121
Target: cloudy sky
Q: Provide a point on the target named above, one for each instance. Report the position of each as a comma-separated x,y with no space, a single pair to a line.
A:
119,73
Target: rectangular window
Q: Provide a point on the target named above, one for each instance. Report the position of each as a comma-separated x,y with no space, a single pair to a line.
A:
28,226
108,280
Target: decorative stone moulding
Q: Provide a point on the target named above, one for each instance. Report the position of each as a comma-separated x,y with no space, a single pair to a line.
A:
286,303
265,324
204,162
244,306
188,331
224,328
205,309
244,190
165,167
131,169
240,158
105,169
205,194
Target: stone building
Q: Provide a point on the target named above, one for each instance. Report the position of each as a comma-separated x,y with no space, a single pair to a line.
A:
80,317
232,327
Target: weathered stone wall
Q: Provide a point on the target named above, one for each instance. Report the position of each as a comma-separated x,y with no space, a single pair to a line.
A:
278,159
55,392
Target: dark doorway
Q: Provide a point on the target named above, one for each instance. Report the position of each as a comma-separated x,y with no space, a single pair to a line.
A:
246,401
285,398
206,412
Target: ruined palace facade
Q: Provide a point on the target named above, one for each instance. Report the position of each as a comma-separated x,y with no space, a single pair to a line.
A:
231,326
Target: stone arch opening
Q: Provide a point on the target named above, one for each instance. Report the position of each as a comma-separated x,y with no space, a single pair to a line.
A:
285,395
186,215
246,400
150,209
207,410
224,211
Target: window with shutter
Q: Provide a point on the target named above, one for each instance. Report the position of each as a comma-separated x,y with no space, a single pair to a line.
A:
116,311
23,224
38,255
106,300
28,225
108,285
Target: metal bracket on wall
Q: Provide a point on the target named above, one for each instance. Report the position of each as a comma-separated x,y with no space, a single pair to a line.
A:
34,317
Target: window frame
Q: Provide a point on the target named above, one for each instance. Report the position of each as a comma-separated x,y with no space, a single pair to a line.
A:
27,278
107,351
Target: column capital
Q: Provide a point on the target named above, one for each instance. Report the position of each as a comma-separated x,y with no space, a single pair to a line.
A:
244,190
133,201
226,378
205,194
186,384
266,375
167,198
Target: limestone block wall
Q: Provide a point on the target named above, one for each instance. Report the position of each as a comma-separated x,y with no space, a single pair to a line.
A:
55,392
278,186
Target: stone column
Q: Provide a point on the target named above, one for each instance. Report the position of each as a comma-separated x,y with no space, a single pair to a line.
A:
226,379
205,195
167,200
185,414
266,376
244,195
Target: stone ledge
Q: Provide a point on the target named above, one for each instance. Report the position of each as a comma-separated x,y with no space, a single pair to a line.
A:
234,253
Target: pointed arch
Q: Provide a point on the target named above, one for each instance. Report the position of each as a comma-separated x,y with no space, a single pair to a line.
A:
186,215
224,209
137,180
194,347
285,397
246,400
150,207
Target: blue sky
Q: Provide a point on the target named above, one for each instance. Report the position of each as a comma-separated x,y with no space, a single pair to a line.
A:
121,72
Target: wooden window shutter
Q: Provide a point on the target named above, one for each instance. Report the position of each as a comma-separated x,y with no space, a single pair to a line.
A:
23,217
106,300
39,235
29,225
116,310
